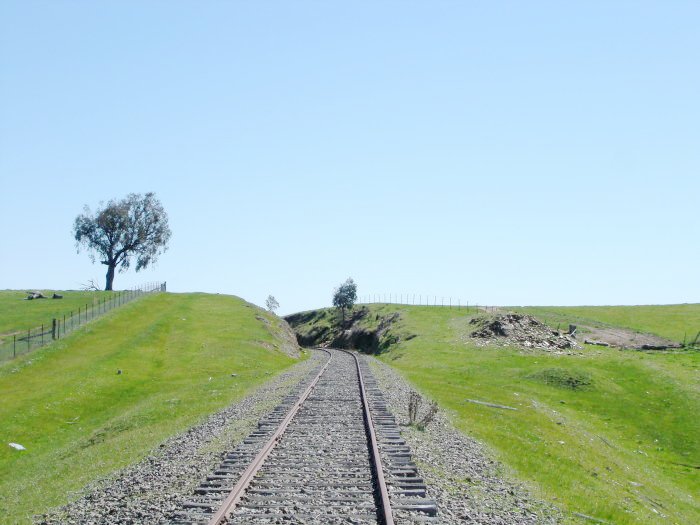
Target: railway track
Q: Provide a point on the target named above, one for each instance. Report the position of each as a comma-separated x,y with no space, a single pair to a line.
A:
330,453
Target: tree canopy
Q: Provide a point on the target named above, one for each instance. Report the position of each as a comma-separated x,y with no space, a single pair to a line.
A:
345,296
134,229
272,303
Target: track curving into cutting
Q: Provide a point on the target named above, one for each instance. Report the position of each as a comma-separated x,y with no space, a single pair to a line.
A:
331,453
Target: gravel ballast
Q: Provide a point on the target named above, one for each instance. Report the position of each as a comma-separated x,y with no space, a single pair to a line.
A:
459,474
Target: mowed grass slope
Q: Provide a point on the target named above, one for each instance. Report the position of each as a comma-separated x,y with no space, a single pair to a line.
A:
610,434
80,420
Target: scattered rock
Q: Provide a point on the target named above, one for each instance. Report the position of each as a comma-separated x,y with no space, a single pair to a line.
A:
520,330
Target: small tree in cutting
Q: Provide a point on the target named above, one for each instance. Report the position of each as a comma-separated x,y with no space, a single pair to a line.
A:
345,296
134,229
272,303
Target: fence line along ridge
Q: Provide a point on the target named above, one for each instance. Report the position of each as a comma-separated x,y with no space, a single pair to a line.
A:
23,342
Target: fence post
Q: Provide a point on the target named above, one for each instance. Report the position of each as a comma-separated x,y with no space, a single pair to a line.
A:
14,345
53,329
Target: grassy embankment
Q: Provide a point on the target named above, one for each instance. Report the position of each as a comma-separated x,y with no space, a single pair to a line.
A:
621,445
80,420
606,433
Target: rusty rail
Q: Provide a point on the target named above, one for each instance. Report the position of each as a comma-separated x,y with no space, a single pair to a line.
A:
383,495
235,495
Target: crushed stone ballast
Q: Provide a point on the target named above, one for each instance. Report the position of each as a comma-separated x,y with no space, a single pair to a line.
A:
330,453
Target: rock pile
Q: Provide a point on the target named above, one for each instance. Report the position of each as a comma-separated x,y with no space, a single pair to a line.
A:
520,330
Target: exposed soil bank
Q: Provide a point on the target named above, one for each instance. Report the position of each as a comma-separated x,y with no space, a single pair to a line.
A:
361,330
628,339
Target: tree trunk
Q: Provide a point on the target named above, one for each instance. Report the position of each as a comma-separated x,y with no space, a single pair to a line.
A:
110,277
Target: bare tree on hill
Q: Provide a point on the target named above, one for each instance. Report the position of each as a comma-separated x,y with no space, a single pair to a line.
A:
272,303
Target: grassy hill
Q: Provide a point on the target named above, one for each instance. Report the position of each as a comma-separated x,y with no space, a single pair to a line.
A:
608,433
79,419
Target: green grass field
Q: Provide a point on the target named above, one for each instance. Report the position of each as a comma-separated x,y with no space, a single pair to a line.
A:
80,420
16,314
610,434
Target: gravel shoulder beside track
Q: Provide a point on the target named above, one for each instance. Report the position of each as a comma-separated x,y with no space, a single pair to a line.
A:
458,471
151,490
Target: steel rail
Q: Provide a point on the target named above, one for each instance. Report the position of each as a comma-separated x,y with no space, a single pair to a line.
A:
384,501
235,495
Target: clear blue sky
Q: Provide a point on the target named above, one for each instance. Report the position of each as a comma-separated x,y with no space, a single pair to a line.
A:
497,152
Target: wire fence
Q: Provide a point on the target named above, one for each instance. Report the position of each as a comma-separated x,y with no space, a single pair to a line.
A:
24,341
424,300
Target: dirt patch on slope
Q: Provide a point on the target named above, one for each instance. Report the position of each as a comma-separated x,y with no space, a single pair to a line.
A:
286,340
625,338
520,330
